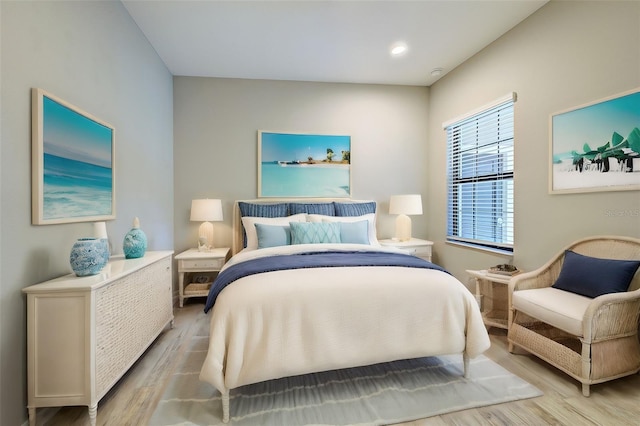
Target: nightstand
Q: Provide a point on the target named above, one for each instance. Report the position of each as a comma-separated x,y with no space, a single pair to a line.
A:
492,294
415,246
196,271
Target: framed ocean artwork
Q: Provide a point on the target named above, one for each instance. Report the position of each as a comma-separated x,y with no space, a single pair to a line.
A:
596,147
73,155
304,165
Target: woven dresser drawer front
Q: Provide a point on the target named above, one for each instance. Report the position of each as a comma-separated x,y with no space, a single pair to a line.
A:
130,313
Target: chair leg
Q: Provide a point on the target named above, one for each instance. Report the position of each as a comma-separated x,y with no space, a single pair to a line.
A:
586,366
512,315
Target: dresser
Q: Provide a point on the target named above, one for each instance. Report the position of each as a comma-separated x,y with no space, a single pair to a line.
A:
84,333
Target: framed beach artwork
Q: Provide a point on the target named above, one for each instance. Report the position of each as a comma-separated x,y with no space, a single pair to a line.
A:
304,165
596,147
72,163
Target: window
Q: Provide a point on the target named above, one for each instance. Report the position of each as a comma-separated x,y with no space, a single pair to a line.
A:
480,177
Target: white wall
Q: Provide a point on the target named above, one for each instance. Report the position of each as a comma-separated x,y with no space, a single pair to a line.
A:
564,55
216,123
92,55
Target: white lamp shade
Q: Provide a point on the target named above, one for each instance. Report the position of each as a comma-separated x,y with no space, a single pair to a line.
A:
409,204
205,210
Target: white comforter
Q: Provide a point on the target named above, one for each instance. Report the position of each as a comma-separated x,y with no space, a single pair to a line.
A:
291,322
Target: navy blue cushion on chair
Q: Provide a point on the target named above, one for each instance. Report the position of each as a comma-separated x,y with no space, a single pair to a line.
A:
593,277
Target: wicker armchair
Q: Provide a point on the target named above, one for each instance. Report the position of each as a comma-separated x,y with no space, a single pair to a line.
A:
591,339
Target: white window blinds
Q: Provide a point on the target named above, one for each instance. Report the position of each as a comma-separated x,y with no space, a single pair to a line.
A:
480,177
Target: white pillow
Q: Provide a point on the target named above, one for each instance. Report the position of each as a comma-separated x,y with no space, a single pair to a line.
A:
250,228
371,218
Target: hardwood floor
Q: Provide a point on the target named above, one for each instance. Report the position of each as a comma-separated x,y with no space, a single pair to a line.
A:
132,400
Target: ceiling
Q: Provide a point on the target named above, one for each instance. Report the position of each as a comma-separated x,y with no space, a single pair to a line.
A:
327,41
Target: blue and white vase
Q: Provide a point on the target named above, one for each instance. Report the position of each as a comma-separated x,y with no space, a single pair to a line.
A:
88,256
135,242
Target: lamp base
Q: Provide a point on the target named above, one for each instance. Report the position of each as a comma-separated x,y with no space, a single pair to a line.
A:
403,228
205,236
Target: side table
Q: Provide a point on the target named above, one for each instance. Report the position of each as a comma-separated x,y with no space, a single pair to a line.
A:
492,294
415,246
192,262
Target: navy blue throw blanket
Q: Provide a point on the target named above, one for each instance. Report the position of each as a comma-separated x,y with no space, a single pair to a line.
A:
312,260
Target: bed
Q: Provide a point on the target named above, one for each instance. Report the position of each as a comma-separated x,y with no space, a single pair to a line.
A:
309,289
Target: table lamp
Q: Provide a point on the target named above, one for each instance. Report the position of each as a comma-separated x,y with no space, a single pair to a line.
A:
403,206
206,211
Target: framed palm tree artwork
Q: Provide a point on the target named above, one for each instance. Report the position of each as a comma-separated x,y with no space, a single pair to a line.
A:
596,147
304,165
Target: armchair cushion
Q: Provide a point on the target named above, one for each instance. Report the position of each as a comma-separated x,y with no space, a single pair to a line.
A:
592,276
561,309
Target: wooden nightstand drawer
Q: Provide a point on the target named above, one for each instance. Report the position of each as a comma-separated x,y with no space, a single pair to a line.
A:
199,264
416,247
420,251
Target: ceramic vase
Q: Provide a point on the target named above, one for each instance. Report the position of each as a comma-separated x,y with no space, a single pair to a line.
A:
135,242
88,256
100,232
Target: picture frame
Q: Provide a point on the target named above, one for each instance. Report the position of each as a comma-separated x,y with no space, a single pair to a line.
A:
72,164
596,147
303,165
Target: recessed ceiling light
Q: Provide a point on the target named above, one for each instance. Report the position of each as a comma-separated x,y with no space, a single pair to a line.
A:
399,48
436,72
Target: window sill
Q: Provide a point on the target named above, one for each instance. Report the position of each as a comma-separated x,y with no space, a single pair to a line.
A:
497,251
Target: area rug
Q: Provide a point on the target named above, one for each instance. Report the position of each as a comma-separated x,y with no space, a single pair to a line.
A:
381,394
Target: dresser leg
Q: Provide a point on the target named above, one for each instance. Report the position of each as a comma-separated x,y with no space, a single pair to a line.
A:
93,414
32,416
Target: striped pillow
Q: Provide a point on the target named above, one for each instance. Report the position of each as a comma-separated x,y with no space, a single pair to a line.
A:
326,209
263,210
355,209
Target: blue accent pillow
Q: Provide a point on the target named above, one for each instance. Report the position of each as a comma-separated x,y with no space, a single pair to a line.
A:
354,232
354,209
326,209
593,277
273,235
315,233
